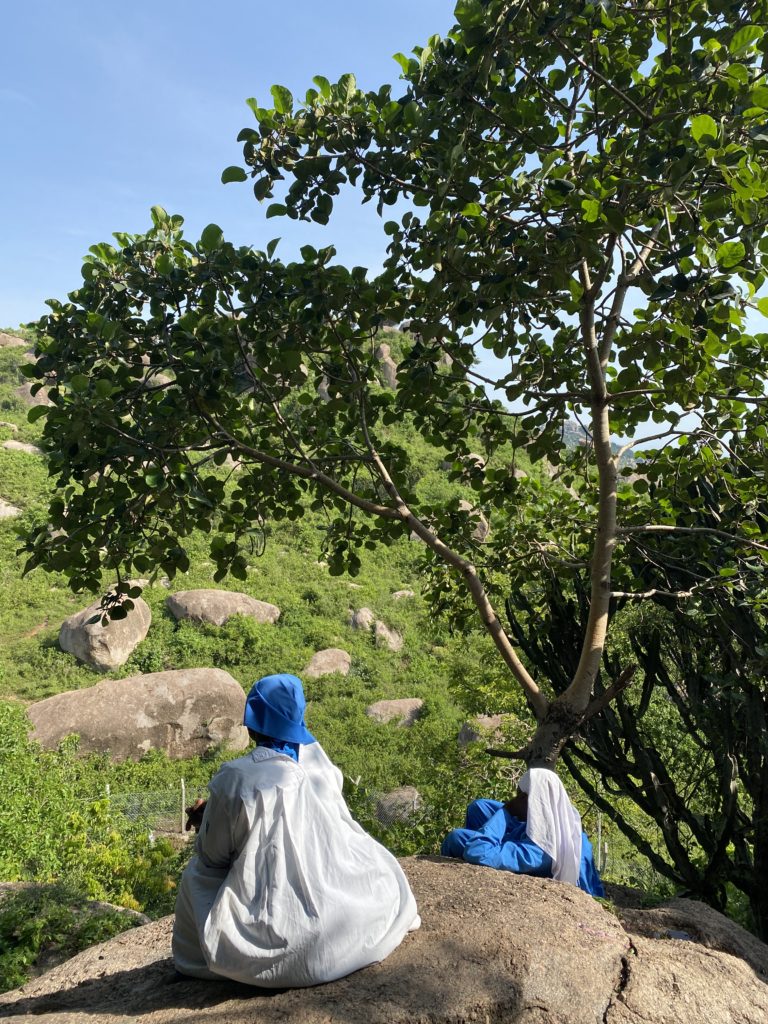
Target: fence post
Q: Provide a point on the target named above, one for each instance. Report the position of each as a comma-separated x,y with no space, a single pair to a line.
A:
183,805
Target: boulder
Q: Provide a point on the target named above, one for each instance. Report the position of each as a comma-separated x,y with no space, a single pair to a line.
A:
406,710
387,366
9,426
327,662
486,727
400,594
185,713
22,446
10,341
217,606
398,805
363,619
8,511
482,526
386,637
492,946
24,392
104,647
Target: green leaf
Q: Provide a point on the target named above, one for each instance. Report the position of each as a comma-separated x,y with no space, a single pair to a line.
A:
703,128
164,263
271,246
283,99
744,38
276,210
159,216
591,208
759,96
37,413
211,238
472,210
103,388
347,86
79,383
730,254
323,85
762,305
233,174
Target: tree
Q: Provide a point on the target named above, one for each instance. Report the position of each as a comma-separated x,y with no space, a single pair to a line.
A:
579,191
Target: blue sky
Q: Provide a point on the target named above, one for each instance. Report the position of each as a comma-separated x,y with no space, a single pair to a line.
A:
107,109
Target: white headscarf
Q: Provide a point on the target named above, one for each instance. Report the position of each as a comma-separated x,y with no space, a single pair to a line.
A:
553,822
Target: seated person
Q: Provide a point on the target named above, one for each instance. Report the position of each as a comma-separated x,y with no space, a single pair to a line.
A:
538,832
285,889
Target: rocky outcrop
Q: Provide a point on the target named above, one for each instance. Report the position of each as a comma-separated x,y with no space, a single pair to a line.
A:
363,619
492,946
406,710
399,805
22,446
104,647
217,606
327,662
185,713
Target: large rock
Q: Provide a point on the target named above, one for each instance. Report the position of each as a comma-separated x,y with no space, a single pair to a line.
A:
185,713
406,710
216,606
325,663
493,946
400,594
363,619
9,426
104,647
9,341
24,392
22,446
487,727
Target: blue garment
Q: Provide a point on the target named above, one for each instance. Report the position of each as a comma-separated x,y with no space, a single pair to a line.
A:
281,747
497,839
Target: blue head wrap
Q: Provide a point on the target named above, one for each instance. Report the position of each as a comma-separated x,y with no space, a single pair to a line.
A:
275,708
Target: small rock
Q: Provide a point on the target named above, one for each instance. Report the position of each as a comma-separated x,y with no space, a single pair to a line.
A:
479,728
217,606
386,637
406,710
482,527
363,619
400,594
8,511
354,586
398,805
9,426
22,446
326,662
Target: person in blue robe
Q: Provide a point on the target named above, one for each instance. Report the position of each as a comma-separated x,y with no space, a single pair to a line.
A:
498,835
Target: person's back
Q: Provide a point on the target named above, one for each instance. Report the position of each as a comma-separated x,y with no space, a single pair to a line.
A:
286,888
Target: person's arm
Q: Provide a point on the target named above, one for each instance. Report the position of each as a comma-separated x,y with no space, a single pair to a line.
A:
489,848
219,839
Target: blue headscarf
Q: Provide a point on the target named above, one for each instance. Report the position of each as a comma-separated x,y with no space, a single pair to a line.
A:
274,708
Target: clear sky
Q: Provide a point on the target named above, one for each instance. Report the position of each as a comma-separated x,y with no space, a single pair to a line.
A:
108,108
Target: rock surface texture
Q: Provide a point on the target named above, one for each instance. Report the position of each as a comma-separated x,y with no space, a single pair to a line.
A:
216,606
22,446
104,647
9,341
398,805
492,947
8,511
24,392
406,710
325,663
185,713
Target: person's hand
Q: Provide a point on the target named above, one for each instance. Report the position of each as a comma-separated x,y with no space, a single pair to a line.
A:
194,815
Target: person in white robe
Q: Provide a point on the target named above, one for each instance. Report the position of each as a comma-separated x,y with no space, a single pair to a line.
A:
285,888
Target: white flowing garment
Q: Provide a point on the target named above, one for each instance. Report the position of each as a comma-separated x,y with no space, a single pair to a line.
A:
286,889
553,822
